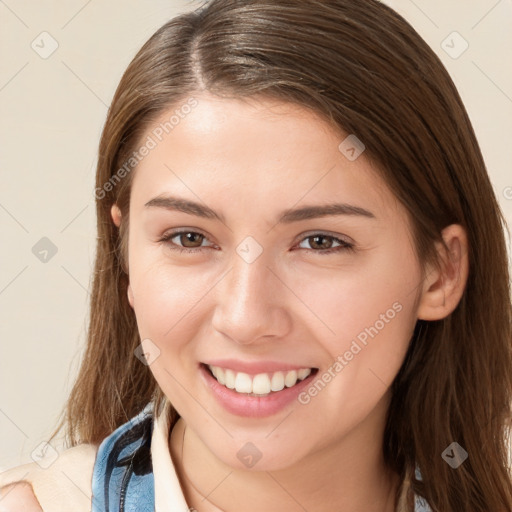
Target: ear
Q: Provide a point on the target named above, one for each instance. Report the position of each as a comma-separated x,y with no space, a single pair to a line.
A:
115,212
130,295
442,289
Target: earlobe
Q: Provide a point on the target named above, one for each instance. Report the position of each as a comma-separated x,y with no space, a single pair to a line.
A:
443,287
115,212
130,295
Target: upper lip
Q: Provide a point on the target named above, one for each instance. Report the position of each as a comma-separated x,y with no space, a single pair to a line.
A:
255,367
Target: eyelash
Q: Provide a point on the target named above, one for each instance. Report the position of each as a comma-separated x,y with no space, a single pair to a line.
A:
345,246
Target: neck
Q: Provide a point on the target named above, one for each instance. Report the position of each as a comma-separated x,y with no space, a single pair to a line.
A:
350,476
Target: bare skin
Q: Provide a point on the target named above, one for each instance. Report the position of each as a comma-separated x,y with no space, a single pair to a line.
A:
249,161
19,497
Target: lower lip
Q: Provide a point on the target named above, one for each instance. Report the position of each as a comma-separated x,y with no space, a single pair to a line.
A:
253,406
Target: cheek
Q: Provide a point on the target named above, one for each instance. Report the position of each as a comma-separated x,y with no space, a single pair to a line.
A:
355,301
372,313
166,300
164,295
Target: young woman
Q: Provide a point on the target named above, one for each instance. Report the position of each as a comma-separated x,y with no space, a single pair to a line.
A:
301,296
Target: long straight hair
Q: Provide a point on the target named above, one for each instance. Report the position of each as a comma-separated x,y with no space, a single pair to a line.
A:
364,69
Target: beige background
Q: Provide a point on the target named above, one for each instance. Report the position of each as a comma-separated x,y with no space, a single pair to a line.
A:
51,114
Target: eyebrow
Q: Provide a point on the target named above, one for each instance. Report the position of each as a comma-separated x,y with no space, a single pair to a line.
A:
286,216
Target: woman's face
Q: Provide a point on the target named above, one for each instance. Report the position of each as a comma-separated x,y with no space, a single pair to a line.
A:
274,278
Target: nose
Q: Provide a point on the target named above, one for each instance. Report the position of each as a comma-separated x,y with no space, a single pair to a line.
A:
251,303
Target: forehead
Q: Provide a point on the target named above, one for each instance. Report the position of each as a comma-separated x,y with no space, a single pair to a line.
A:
253,151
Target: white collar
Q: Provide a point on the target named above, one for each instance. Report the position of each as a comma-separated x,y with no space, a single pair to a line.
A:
167,486
168,490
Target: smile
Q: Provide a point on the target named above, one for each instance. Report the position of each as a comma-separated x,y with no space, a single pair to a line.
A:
261,384
255,389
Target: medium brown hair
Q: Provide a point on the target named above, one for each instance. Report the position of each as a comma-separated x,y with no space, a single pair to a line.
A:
364,69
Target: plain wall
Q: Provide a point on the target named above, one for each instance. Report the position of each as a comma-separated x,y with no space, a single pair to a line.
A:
51,114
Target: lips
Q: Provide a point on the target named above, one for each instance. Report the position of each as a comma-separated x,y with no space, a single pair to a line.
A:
250,404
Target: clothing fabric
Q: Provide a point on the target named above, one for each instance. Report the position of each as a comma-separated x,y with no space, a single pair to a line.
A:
134,471
130,471
67,484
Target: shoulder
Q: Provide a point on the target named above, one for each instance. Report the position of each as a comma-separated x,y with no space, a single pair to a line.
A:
52,482
19,497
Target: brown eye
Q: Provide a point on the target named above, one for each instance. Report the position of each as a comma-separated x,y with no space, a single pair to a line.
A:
321,242
186,241
325,244
190,239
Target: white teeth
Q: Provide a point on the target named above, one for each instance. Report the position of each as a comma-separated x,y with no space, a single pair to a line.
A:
243,383
220,376
290,379
229,376
260,384
277,382
301,374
